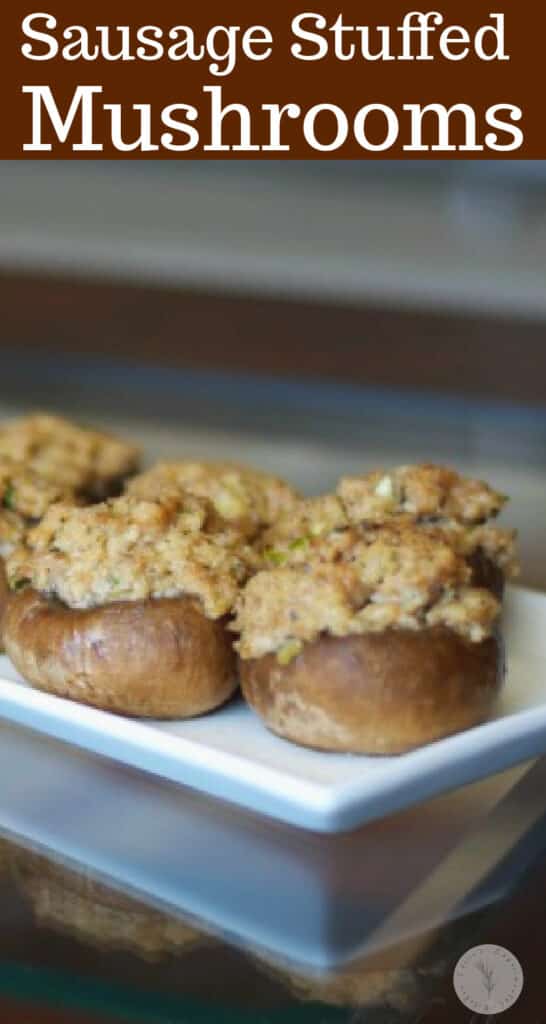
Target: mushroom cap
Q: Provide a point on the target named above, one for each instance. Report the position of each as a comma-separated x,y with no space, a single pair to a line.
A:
159,658
376,693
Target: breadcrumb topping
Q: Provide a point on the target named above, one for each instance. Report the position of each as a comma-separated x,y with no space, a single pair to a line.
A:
498,545
422,492
25,497
69,455
241,495
128,550
307,519
362,581
434,498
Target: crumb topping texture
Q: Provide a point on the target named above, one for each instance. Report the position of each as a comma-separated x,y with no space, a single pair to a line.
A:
25,497
432,497
241,495
422,492
126,550
68,455
359,580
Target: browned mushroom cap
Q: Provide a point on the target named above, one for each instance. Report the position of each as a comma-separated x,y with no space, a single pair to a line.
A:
158,658
378,693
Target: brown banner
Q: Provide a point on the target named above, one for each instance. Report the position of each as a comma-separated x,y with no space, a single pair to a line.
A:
460,80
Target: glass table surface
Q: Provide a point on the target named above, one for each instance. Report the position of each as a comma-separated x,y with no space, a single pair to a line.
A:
125,898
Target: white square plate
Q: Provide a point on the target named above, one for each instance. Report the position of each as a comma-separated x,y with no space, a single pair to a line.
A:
231,756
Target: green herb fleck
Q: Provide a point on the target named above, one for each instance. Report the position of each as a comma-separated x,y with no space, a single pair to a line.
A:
8,501
300,544
275,557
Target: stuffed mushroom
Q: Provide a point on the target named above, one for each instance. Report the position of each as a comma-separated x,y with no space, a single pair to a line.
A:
368,640
124,605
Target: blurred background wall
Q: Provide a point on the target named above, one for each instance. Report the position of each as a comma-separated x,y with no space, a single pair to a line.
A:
314,318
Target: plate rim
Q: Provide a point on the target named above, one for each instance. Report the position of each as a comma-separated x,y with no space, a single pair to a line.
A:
272,792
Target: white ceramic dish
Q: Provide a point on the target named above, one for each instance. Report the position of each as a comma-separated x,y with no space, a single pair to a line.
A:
231,756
